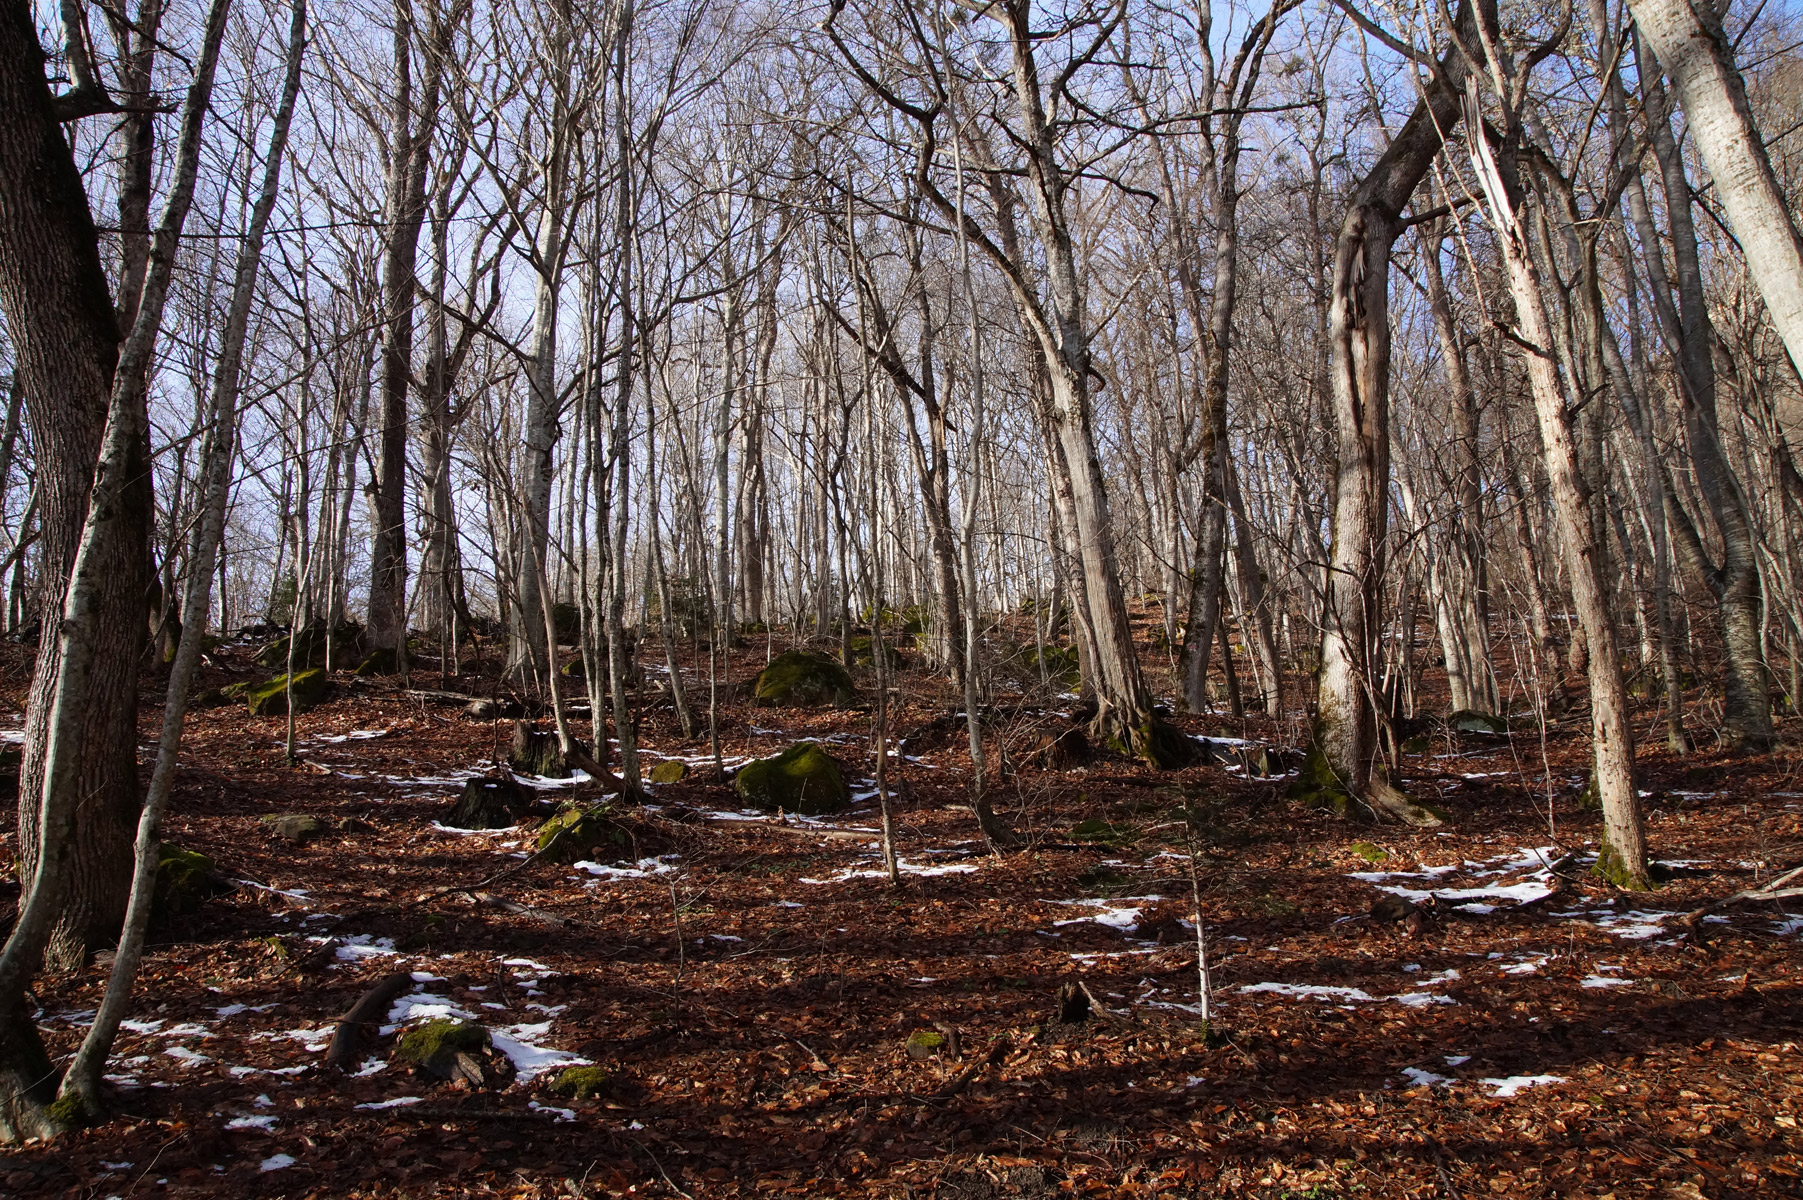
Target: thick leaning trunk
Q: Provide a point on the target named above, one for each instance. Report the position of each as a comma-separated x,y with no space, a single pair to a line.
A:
112,530
65,336
82,1080
1345,736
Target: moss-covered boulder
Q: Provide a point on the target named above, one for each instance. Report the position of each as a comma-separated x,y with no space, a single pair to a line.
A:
924,1044
460,1051
489,803
1055,664
566,621
582,1083
346,639
1468,720
802,779
184,882
804,679
863,653
211,698
671,770
575,833
298,828
271,699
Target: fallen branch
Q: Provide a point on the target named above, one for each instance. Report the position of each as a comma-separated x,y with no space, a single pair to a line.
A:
1771,889
965,1077
522,910
370,1010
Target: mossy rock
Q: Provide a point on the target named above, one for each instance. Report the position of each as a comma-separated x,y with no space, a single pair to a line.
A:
489,803
582,1083
924,1044
1056,664
574,669
1103,879
461,1051
863,655
802,779
310,646
184,882
575,833
804,679
235,691
211,698
1370,852
566,620
1469,720
422,1044
296,827
671,770
271,699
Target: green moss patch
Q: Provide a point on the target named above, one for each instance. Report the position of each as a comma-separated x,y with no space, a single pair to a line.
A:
271,699
924,1043
804,679
184,881
582,1083
598,833
671,770
802,779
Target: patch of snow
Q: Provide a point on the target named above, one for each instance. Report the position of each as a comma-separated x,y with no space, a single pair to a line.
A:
1514,1085
232,1010
276,1162
452,829
1526,968
1457,1060
1420,1078
362,945
1311,991
263,1123
397,1102
529,1059
186,1056
645,868
562,1114
370,1067
1606,981
422,1006
144,1027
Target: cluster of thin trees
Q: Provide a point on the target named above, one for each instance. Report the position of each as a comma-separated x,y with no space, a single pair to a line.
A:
1378,336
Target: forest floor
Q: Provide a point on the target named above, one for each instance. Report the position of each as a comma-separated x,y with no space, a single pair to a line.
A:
752,983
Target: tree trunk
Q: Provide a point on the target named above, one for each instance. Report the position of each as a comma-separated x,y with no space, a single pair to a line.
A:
1691,45
1359,332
